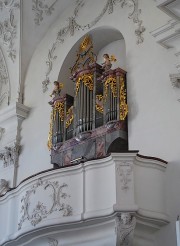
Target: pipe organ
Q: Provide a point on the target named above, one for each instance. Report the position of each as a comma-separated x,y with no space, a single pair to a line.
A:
93,123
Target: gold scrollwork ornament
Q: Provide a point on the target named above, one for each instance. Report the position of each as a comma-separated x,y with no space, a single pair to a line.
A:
87,79
123,104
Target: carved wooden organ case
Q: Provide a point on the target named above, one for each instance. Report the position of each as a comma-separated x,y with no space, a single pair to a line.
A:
93,123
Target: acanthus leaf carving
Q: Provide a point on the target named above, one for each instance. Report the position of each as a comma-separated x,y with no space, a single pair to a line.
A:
8,27
4,81
40,9
73,26
125,170
40,211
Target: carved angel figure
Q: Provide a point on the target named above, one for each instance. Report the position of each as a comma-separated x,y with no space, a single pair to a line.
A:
56,91
125,229
106,65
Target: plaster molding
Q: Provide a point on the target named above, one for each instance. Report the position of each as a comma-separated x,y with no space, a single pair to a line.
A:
16,110
167,7
73,26
11,119
167,34
125,170
41,9
37,194
5,90
53,242
10,155
8,27
41,211
4,186
125,226
149,216
150,163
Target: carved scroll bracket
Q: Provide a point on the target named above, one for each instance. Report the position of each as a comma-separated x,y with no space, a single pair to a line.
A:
73,26
125,226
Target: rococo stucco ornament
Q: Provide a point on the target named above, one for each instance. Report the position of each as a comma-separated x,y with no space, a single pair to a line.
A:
4,81
8,26
4,186
10,155
125,170
40,9
175,81
2,131
53,242
73,26
125,226
40,211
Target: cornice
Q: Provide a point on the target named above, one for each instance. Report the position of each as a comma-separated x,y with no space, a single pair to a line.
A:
150,162
14,110
167,7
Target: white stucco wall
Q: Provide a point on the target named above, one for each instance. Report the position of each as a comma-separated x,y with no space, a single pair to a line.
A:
153,110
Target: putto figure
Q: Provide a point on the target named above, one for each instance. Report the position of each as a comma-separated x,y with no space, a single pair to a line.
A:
106,65
56,91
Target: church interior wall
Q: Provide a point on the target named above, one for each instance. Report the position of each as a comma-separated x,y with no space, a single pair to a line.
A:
153,120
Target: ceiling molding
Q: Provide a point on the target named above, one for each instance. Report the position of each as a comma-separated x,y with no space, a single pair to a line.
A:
170,7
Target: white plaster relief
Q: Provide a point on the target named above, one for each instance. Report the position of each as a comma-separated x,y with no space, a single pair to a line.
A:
125,170
4,81
4,186
73,26
2,131
40,211
53,242
125,229
10,155
175,80
42,9
8,26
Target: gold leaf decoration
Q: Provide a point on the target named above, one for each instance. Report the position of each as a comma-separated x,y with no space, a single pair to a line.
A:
123,104
58,107
111,81
87,79
49,143
69,117
99,105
